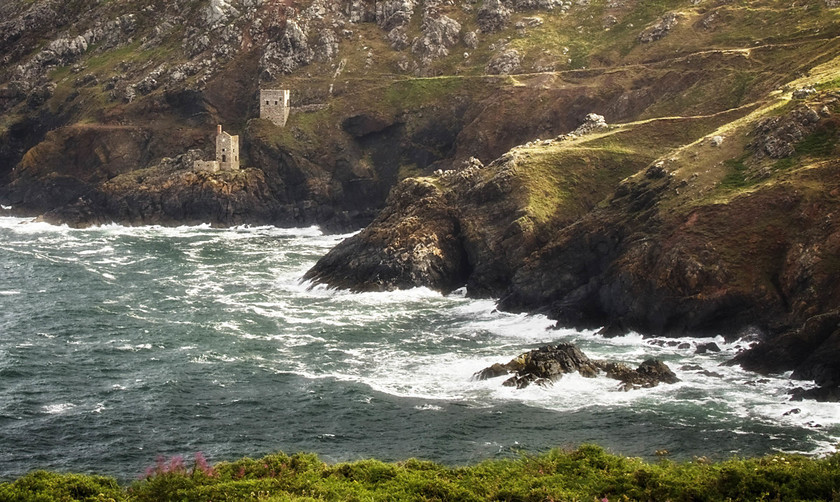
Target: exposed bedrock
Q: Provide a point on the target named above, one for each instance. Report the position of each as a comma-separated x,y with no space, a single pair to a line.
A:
414,241
547,364
639,252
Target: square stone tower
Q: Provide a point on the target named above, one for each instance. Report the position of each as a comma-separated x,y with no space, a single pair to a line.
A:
227,150
274,105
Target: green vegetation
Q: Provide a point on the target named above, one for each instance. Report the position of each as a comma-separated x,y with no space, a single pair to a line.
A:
820,144
564,182
738,176
586,474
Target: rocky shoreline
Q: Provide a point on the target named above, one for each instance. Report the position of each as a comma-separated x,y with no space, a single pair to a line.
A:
666,252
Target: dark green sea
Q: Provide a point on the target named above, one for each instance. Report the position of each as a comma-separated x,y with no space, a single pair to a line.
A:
118,345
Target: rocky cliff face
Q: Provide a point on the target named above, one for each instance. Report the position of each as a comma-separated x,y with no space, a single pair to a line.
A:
381,90
708,206
693,242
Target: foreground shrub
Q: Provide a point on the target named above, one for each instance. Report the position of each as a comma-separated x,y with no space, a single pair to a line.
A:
588,474
42,486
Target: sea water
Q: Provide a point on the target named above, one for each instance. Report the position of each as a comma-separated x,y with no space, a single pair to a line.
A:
119,345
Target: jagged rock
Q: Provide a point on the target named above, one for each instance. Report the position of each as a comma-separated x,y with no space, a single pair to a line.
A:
392,14
549,363
660,29
649,374
707,347
398,38
358,12
286,55
399,250
471,39
152,81
439,35
591,123
503,63
39,15
819,394
776,137
326,47
810,351
219,11
492,16
804,92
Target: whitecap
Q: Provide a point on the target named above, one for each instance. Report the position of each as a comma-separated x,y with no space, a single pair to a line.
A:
57,409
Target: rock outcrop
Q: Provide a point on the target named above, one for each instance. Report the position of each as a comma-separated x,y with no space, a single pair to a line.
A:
649,257
415,241
660,28
547,364
810,351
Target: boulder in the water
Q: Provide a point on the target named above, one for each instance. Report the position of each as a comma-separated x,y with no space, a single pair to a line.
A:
547,364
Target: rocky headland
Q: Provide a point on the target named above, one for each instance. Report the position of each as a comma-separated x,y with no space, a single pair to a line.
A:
667,168
733,233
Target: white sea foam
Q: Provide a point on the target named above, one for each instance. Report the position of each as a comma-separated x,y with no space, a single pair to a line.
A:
253,310
58,409
428,407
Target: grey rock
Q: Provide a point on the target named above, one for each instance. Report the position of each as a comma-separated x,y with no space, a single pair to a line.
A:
326,47
286,55
591,123
439,35
398,37
776,137
392,14
492,16
660,29
471,39
503,63
219,11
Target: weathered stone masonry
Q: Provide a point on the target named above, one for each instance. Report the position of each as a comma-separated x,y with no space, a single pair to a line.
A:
227,154
274,105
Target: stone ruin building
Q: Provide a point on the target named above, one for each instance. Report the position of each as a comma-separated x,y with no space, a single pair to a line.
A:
227,154
274,105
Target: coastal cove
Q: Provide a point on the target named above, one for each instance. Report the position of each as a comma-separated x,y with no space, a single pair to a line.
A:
120,344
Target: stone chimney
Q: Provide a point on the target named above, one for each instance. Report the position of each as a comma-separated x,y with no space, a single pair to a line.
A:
219,129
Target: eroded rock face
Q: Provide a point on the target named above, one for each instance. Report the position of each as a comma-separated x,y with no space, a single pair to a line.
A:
504,63
392,14
776,137
415,240
287,54
439,35
660,28
548,364
811,351
492,16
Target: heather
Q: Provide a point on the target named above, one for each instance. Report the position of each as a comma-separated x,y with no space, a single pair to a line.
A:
588,473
